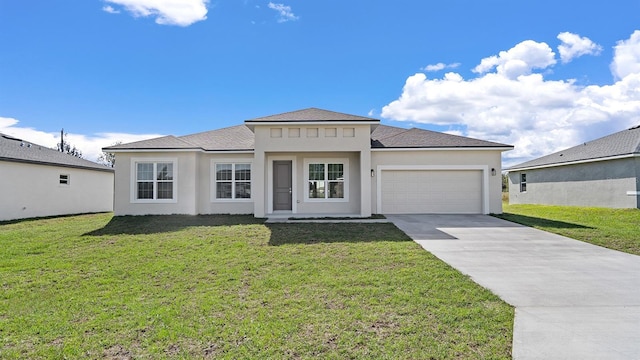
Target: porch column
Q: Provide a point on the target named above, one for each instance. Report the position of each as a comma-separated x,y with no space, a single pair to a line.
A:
259,182
365,183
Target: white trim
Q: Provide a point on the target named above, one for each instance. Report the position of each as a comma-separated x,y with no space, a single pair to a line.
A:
633,193
343,161
506,148
483,168
212,178
151,150
319,122
617,157
133,180
294,182
181,150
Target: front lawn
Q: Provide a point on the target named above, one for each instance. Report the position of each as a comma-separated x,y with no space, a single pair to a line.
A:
94,286
617,229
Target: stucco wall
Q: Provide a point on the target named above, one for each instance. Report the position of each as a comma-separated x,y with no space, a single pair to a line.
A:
308,206
296,142
599,184
207,204
30,190
458,158
185,176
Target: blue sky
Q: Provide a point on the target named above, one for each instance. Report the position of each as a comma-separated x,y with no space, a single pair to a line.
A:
541,75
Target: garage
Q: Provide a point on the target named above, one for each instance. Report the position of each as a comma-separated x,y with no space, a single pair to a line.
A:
420,191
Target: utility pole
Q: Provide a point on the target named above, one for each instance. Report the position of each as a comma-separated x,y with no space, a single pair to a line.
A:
62,140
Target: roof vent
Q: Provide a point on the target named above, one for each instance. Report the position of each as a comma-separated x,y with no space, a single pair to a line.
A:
28,145
21,144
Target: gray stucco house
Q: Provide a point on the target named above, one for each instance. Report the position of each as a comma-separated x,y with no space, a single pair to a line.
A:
38,181
601,173
305,163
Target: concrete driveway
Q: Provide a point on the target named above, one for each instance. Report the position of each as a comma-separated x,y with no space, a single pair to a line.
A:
573,300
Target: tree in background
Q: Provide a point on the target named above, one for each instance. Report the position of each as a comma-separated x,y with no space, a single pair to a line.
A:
109,158
68,148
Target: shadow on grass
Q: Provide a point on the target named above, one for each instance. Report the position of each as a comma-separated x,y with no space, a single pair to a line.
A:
539,222
316,233
38,218
154,224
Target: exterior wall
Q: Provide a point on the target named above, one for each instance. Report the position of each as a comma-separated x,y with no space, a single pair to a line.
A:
30,190
474,159
207,203
301,205
598,184
186,177
296,142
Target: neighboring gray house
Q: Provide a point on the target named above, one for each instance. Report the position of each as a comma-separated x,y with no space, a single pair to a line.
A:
37,181
601,173
306,163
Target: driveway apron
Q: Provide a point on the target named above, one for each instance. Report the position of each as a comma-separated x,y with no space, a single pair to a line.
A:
573,300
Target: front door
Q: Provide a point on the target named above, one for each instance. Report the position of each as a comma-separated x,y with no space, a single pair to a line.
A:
282,199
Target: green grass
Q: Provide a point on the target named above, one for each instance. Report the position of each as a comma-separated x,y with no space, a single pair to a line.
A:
93,286
617,229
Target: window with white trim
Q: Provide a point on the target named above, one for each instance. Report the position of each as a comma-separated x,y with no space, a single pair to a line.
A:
154,180
326,179
523,182
232,181
65,179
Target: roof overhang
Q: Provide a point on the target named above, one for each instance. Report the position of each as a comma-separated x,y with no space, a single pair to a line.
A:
585,161
45,163
200,150
251,124
466,148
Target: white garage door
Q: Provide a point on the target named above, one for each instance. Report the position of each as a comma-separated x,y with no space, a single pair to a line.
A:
431,192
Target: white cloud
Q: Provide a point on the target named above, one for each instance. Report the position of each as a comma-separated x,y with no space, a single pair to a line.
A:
519,60
440,66
284,12
110,10
536,115
166,12
626,59
90,145
574,46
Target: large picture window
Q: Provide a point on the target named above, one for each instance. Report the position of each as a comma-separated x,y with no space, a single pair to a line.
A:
326,179
154,180
232,181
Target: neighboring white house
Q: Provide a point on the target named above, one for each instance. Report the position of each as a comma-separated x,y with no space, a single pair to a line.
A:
37,181
305,163
602,173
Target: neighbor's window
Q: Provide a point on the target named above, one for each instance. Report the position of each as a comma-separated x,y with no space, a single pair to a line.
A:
154,181
326,180
233,181
65,179
523,182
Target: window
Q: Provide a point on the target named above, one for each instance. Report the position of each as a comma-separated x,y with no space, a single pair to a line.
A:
523,182
154,180
326,179
65,179
232,181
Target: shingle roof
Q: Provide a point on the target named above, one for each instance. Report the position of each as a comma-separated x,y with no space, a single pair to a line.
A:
241,138
17,150
310,114
624,142
393,137
161,143
232,138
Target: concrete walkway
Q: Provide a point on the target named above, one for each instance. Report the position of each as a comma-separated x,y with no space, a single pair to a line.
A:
573,300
